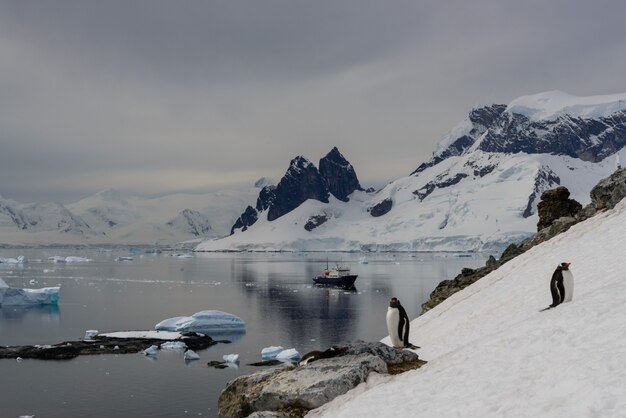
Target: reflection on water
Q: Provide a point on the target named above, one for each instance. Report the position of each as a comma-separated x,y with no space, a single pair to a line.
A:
273,293
40,313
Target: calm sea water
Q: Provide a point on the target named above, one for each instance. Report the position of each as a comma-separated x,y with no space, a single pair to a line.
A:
272,293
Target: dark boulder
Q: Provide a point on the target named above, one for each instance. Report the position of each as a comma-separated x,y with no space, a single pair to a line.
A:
381,208
314,222
555,203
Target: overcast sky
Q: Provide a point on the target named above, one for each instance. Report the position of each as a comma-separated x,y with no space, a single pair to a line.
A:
162,96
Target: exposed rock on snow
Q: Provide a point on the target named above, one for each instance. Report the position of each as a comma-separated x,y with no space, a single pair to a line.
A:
555,204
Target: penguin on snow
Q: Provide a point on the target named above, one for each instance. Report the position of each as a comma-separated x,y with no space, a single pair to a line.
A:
398,325
562,285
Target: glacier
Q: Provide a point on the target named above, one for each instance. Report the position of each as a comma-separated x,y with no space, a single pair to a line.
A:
12,296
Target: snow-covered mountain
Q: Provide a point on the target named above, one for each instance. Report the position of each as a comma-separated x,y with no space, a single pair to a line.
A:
111,217
491,353
479,191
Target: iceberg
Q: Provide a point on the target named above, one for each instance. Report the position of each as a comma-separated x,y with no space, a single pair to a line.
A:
150,351
214,322
191,355
289,355
269,353
11,296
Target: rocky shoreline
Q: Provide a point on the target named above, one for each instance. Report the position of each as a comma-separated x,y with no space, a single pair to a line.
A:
100,344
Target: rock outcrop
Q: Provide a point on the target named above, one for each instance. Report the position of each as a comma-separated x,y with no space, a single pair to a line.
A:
301,182
99,345
555,204
339,175
301,388
381,208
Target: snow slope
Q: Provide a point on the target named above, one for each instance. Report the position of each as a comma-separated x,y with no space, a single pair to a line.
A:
490,351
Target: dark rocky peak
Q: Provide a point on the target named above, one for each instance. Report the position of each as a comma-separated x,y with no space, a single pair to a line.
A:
583,138
301,182
481,119
266,197
485,117
247,218
339,175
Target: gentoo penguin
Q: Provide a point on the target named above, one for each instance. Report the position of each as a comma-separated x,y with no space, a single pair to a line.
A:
557,285
398,325
568,284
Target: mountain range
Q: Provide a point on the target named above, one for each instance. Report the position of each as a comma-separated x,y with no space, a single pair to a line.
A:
478,192
112,217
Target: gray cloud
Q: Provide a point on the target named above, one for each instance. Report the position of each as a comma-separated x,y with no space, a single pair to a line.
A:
161,96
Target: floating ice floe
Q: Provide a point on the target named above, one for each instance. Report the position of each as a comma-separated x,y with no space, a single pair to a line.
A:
363,260
269,353
191,355
231,358
174,346
69,259
17,296
289,355
151,351
184,256
124,258
19,260
206,322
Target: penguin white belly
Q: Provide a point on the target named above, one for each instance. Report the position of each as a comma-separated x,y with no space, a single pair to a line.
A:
568,285
393,320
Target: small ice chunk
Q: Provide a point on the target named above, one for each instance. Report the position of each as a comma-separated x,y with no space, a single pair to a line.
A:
48,271
231,358
32,281
174,346
56,259
271,352
185,256
102,347
363,260
90,333
117,347
122,258
150,351
289,355
191,355
75,259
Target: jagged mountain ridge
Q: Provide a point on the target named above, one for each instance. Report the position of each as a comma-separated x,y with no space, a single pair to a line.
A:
303,181
480,189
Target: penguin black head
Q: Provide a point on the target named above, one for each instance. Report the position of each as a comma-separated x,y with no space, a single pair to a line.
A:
565,265
394,302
